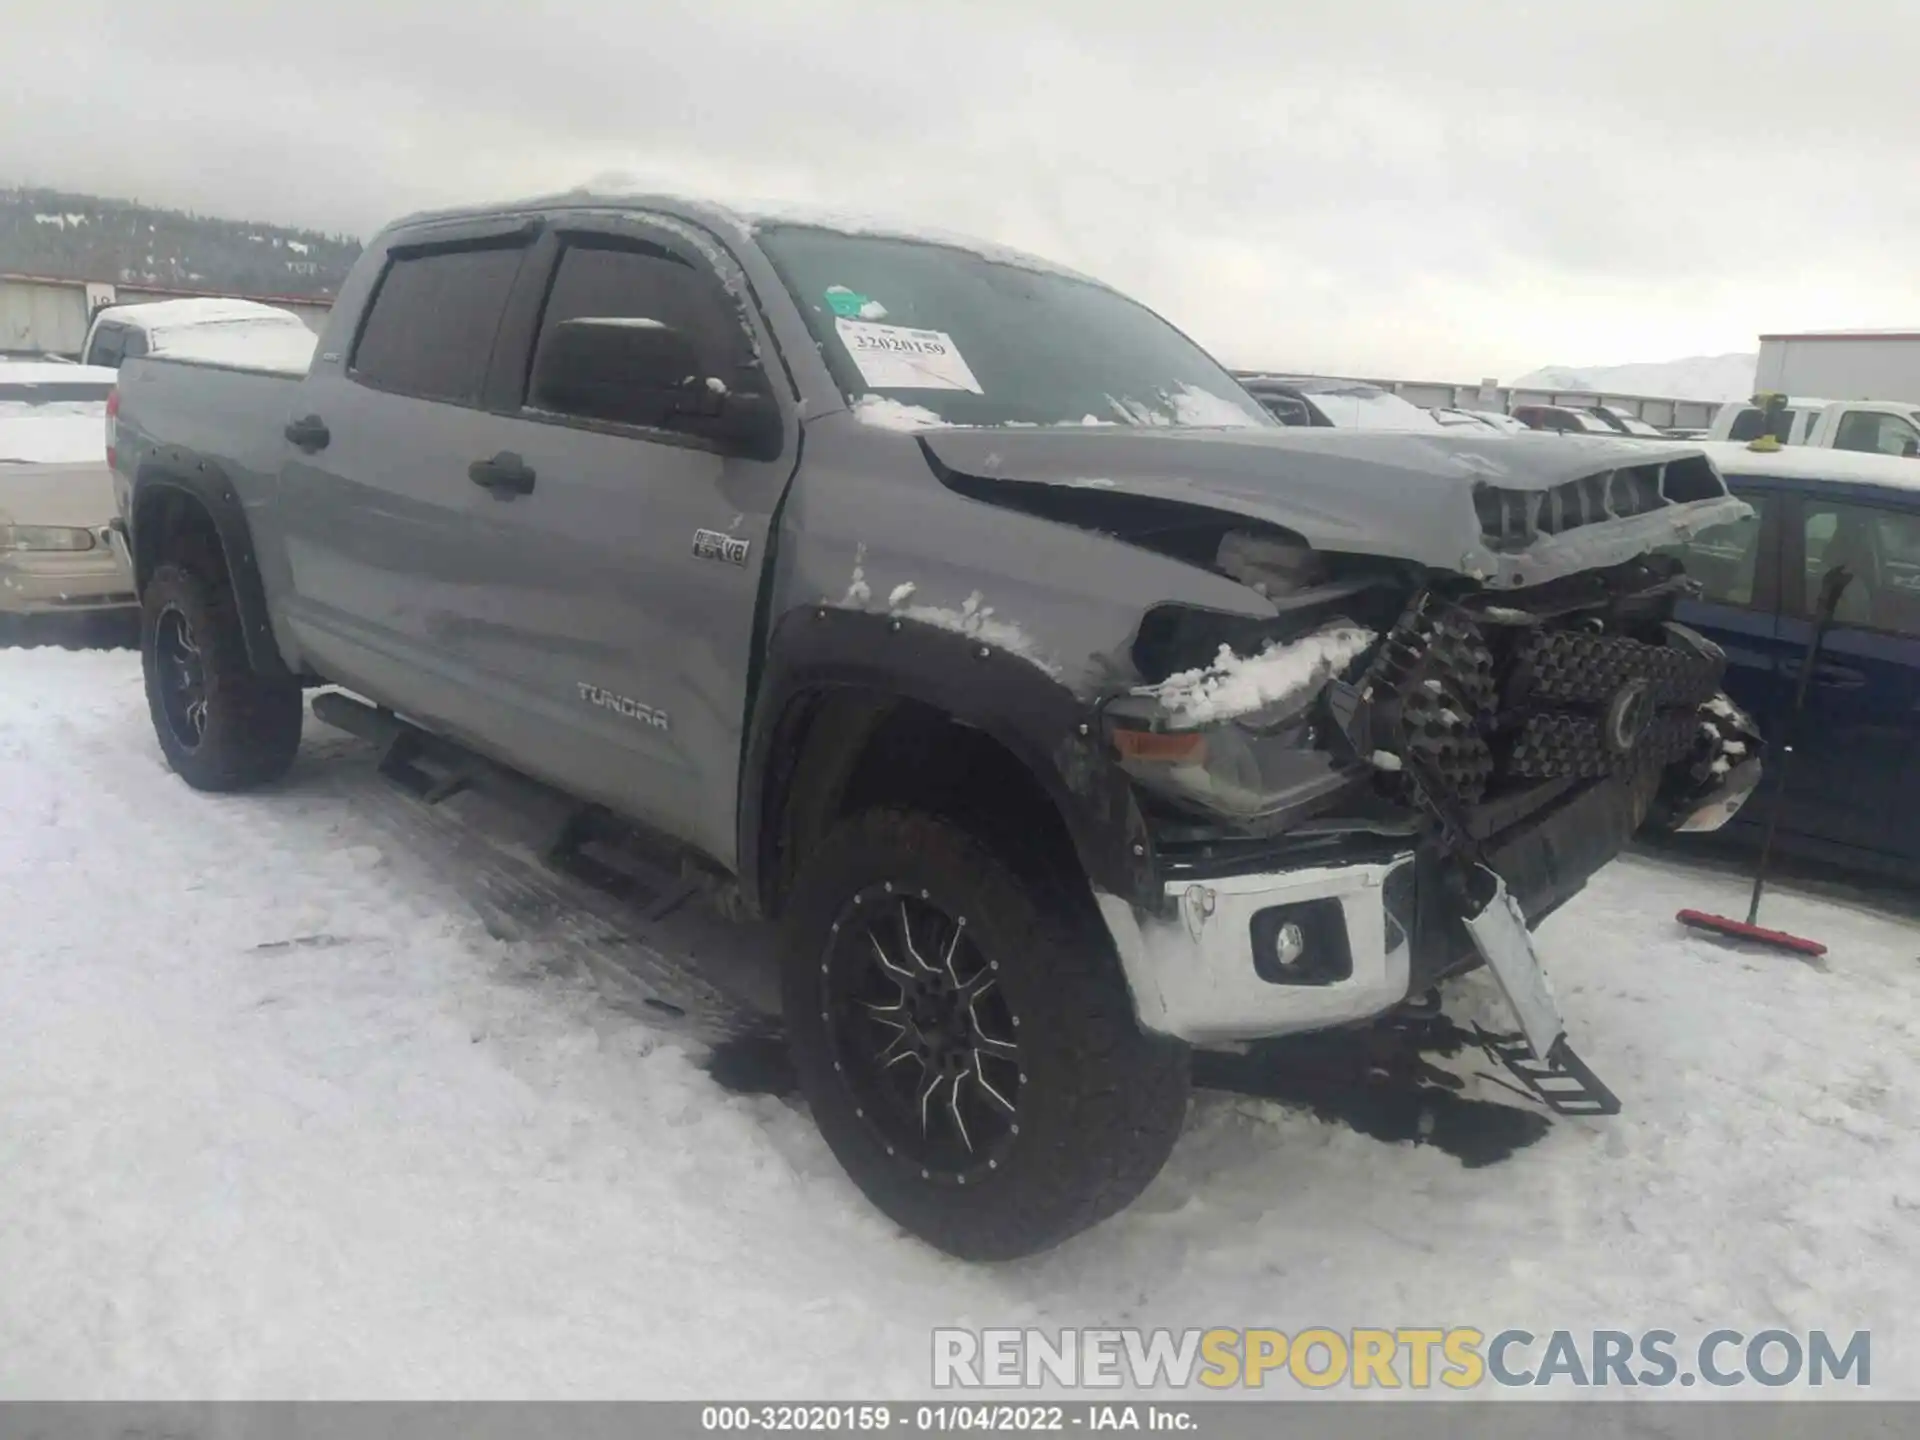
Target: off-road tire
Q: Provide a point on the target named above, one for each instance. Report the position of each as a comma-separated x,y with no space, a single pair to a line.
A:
1101,1101
252,722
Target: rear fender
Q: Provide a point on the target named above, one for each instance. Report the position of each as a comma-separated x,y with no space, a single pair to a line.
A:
170,479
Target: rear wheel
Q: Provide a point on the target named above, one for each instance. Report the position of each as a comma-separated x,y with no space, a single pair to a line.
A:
220,725
968,1044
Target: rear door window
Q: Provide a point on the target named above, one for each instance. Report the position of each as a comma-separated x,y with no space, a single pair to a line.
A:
430,330
108,348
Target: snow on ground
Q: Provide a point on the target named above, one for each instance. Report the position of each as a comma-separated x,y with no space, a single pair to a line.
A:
395,1157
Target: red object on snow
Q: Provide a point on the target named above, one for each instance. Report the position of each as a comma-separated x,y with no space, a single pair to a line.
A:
1741,930
1836,580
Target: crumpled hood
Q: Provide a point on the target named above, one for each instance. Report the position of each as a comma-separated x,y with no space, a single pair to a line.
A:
80,496
1511,510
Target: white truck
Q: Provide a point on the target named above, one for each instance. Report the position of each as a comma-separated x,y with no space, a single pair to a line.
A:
209,328
1874,427
1846,364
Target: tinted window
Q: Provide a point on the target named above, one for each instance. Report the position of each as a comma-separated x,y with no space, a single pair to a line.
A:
1876,434
1880,548
1725,558
969,339
430,332
625,280
1287,409
1751,424
109,346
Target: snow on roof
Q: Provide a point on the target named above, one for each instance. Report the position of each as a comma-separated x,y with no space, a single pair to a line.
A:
759,215
287,349
160,314
52,372
1806,462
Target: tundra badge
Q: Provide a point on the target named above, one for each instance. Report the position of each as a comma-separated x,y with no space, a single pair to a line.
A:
621,705
718,545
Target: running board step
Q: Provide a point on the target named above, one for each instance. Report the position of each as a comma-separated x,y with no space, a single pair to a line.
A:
1562,1082
424,766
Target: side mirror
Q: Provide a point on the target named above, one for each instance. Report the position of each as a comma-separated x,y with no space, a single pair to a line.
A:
635,371
629,370
1910,449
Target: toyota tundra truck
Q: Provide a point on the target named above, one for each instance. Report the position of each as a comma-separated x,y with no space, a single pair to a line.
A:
1065,710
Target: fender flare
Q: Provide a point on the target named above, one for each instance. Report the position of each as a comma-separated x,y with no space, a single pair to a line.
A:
816,652
205,484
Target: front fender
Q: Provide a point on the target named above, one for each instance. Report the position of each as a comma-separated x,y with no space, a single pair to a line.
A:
1036,718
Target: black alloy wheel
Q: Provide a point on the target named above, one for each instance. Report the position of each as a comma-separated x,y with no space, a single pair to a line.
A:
923,1032
181,674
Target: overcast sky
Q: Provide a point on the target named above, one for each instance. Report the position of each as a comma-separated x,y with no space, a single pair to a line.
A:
1418,190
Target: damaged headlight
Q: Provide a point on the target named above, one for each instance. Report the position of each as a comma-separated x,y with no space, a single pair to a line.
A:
1238,737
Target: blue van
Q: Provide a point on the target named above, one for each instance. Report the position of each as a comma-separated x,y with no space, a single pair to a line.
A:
1853,796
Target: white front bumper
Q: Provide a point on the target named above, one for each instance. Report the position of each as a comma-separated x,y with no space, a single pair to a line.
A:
1195,978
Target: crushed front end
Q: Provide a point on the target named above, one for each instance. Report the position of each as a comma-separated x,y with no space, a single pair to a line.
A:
1400,779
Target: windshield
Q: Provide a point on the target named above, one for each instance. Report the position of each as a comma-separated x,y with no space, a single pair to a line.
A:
921,333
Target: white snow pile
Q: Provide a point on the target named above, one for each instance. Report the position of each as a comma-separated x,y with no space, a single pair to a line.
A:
886,413
1235,685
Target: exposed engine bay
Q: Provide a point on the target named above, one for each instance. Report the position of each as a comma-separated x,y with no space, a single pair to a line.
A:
1454,693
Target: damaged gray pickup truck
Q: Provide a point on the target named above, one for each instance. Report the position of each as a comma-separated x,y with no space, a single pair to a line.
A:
1065,710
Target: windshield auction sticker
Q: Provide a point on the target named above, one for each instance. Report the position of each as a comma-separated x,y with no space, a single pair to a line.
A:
894,357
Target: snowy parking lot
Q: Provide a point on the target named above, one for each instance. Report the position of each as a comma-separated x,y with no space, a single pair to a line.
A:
284,1113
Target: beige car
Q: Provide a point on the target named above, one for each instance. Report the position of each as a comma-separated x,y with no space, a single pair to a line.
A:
56,493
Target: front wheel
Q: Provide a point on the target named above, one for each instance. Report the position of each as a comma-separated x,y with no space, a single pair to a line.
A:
967,1043
220,725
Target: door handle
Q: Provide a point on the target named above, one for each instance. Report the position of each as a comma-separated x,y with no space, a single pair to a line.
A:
309,432
506,475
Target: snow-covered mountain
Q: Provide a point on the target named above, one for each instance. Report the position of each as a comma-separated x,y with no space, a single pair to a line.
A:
1700,377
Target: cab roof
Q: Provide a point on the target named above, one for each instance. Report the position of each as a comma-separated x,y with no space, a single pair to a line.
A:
1807,462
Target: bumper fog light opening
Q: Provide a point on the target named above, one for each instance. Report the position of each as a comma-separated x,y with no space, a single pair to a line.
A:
1303,944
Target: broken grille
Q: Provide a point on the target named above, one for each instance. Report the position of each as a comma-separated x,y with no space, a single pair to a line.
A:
1514,519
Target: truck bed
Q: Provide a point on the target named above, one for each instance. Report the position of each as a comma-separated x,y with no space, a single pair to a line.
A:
229,414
